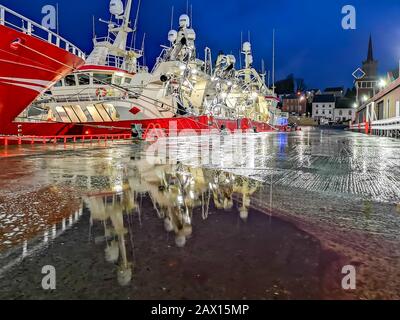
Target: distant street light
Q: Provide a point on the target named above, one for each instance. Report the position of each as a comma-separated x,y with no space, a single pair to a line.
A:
382,83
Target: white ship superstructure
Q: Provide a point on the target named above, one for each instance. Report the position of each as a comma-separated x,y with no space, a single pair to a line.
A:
106,87
112,90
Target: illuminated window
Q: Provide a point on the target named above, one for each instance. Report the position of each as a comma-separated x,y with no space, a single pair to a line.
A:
117,80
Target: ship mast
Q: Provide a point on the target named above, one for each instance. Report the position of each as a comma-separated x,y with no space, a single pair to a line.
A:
123,30
113,51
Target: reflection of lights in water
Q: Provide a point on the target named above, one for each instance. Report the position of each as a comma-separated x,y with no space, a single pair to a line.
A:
54,232
25,249
168,226
46,237
118,188
180,199
282,121
41,242
192,195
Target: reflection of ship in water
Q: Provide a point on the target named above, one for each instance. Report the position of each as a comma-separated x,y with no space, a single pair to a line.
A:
176,191
109,209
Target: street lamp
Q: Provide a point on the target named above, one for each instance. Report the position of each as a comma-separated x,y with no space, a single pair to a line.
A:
382,83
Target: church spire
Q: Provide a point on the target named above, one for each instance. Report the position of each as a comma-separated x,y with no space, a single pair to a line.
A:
370,57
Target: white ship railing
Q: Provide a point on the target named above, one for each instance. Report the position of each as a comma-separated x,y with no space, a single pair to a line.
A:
384,124
36,30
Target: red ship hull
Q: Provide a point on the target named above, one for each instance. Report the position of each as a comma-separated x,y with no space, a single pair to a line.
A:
195,124
28,67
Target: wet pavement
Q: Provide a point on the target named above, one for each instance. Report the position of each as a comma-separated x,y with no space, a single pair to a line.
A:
266,216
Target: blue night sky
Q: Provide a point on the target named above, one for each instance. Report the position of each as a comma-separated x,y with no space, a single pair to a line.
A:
311,43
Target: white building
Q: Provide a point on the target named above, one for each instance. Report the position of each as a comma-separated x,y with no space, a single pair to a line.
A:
323,107
344,114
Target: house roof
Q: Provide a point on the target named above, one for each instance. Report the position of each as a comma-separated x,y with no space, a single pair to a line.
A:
324,98
344,103
290,96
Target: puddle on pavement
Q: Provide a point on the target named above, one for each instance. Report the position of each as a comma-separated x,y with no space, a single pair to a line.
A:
127,228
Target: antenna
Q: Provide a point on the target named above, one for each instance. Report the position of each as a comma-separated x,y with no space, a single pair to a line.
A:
137,16
187,7
191,16
58,25
240,50
273,60
172,18
94,28
249,36
263,70
143,41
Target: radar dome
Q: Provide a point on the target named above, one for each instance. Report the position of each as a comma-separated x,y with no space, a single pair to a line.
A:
172,36
191,35
116,7
184,21
231,59
247,47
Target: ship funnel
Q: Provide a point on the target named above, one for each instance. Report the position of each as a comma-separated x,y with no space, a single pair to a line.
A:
184,21
116,8
172,36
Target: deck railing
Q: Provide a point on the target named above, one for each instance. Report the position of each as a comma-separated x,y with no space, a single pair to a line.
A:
36,30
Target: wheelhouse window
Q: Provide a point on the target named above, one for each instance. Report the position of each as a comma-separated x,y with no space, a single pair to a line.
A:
102,78
128,80
59,84
84,79
70,80
118,80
